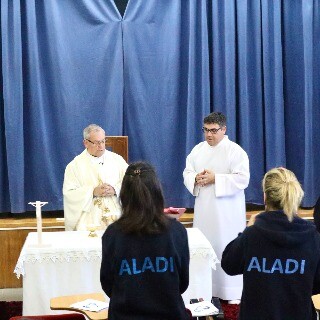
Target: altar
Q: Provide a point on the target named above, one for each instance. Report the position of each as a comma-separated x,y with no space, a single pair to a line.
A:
68,263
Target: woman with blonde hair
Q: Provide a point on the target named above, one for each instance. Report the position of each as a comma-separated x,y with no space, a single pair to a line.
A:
278,254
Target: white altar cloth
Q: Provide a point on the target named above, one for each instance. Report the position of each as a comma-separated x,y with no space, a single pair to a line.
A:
69,262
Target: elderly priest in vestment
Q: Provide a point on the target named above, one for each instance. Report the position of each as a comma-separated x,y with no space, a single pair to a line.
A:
92,183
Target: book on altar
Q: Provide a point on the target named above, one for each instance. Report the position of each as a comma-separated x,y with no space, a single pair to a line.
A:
202,309
90,305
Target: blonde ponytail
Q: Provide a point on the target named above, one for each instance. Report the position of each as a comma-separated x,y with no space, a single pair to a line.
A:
282,191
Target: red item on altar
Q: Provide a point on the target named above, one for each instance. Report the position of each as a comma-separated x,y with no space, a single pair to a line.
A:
174,212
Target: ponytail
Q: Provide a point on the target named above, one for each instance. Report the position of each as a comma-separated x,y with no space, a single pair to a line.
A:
282,191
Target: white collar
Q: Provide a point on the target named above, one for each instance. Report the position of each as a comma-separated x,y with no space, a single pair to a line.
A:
93,159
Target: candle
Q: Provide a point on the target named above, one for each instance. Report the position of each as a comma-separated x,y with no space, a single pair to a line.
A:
38,205
39,221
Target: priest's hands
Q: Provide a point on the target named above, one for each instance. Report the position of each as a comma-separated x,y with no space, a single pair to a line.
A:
104,190
204,178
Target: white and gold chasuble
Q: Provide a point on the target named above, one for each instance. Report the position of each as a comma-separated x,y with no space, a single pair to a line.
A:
82,175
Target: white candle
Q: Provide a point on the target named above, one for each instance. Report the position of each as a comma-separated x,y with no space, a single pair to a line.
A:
38,205
39,221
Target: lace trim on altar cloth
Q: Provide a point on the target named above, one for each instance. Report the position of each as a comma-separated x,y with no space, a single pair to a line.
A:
55,257
206,254
94,255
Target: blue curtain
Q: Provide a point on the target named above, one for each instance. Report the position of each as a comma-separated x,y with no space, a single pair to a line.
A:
264,58
62,67
301,92
247,81
166,85
153,75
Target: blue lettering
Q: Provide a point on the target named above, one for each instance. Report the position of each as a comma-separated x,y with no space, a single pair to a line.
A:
291,266
254,263
134,267
124,267
264,261
295,263
147,265
165,266
171,264
277,266
303,262
160,264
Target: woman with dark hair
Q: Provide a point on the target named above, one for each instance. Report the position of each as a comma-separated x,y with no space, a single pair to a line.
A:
278,254
145,255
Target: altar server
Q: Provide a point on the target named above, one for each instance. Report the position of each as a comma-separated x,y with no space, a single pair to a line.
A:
216,173
278,255
92,183
145,255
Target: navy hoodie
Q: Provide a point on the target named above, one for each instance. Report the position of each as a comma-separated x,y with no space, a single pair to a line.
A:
144,276
280,263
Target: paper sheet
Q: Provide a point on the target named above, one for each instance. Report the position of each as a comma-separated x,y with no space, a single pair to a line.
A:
90,305
201,309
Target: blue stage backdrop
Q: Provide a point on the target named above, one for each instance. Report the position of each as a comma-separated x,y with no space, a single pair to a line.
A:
153,74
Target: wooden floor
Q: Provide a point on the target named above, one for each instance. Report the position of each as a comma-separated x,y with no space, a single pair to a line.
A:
13,232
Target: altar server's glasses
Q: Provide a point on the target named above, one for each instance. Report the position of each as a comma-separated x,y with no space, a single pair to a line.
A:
213,131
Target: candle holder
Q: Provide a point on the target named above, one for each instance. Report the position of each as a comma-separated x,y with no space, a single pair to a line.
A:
92,228
38,205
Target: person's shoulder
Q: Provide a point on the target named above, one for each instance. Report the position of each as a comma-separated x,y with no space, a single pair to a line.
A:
77,158
311,229
176,227
233,145
113,155
250,231
248,236
198,147
111,231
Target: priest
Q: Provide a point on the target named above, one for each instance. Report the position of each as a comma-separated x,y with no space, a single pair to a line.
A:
92,183
217,173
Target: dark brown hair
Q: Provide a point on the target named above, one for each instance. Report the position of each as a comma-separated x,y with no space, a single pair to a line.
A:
142,201
216,117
